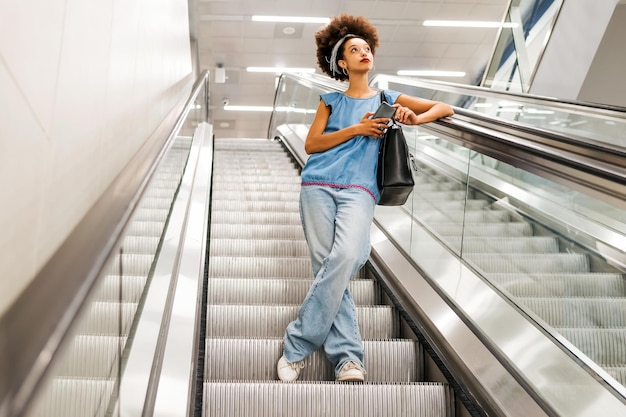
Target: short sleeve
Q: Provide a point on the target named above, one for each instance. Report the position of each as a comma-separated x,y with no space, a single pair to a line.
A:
330,98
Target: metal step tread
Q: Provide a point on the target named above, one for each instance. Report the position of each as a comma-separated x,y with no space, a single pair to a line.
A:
590,285
255,217
245,359
259,247
375,322
259,231
280,291
578,311
496,245
605,346
328,399
530,263
262,267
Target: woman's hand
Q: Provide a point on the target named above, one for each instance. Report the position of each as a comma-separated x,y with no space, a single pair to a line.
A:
405,115
373,127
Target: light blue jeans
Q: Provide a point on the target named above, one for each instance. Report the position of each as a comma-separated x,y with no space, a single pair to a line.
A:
337,224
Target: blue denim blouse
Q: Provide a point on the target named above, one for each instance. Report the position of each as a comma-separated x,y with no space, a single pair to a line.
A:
354,162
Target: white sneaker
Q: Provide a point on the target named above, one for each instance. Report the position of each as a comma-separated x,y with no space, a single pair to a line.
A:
287,371
351,371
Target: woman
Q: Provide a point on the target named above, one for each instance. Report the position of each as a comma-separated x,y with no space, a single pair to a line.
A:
339,194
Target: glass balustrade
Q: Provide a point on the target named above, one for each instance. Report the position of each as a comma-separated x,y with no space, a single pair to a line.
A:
557,254
84,378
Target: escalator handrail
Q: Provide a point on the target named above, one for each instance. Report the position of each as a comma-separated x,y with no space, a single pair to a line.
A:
37,324
587,169
595,109
602,167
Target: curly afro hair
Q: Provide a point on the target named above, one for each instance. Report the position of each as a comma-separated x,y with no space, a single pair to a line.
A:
339,27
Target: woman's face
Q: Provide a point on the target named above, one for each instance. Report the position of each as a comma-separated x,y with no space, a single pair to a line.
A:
357,54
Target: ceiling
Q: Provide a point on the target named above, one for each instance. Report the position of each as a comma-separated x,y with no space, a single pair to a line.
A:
226,35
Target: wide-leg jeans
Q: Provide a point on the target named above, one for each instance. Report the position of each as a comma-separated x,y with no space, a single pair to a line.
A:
336,224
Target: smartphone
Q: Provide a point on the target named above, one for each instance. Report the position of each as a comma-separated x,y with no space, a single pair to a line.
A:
385,110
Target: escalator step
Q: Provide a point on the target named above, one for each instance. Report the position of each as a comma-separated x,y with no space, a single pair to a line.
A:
526,263
146,228
152,214
579,312
421,187
157,192
276,267
140,245
482,230
419,205
375,322
273,206
561,285
74,397
260,248
91,357
267,399
259,231
460,217
256,195
255,359
256,186
494,245
155,203
127,288
604,346
234,267
132,263
432,196
107,319
619,373
237,176
280,291
254,218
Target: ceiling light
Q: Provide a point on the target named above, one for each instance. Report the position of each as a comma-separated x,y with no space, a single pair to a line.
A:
291,19
431,73
279,70
249,108
468,24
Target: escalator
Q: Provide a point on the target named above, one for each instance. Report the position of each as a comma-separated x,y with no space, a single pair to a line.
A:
259,273
493,291
569,289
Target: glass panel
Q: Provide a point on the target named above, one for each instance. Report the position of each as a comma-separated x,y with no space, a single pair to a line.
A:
84,378
574,121
556,253
523,38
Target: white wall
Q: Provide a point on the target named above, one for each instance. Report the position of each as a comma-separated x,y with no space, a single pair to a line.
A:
83,83
605,82
573,44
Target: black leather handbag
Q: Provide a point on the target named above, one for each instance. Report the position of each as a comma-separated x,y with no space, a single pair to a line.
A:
395,170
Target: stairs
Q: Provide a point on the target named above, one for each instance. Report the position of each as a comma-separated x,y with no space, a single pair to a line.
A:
259,273
581,298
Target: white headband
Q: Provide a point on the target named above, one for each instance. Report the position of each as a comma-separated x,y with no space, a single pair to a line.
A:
334,68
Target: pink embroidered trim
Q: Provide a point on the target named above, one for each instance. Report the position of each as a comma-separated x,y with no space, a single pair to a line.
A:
324,184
